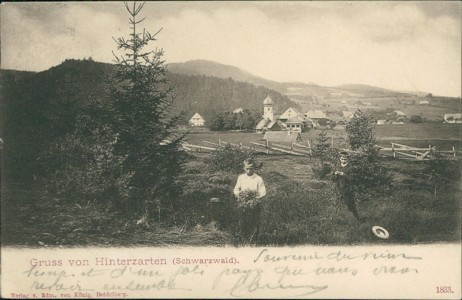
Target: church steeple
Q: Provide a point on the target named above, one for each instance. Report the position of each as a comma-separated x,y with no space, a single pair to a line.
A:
268,109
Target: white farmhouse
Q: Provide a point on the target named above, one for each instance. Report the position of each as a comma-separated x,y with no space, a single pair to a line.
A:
197,120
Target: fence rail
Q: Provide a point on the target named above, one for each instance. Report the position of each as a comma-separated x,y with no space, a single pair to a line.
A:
397,151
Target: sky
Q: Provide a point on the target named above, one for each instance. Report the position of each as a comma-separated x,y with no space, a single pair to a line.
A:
403,46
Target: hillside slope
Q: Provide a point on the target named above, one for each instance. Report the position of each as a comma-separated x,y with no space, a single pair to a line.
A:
76,81
293,89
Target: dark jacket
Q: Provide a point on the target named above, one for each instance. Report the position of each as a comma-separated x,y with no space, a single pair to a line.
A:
343,182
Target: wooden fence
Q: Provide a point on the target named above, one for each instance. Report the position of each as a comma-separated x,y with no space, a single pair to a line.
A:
401,151
397,151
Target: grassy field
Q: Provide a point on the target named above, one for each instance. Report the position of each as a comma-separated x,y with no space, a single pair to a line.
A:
297,210
444,136
434,111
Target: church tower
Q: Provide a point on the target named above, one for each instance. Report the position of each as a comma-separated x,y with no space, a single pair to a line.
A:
268,109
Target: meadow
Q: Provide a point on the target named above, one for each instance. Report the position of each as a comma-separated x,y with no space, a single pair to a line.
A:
298,210
444,136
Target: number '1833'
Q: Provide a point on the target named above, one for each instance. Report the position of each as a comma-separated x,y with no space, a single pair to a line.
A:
443,289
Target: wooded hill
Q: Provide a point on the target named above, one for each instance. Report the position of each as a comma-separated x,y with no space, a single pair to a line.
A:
81,80
39,108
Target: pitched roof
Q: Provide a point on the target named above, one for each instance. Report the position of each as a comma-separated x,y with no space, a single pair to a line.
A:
195,116
282,137
262,124
268,101
290,113
295,119
271,124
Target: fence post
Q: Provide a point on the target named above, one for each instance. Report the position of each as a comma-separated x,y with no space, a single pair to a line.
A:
309,145
454,150
393,150
267,147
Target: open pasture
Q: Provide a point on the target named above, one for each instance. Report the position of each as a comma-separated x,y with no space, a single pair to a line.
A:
443,136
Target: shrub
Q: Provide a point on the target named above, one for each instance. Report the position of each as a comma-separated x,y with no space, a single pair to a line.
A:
369,175
416,119
321,171
324,155
360,131
441,171
193,205
229,158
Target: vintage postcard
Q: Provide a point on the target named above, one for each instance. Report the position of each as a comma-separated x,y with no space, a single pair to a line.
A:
241,149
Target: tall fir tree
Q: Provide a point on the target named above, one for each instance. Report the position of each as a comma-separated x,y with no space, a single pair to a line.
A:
139,114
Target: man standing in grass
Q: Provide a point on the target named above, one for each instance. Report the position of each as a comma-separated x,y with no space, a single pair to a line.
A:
342,179
249,190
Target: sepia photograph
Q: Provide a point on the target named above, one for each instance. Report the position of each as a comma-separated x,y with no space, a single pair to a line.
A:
170,141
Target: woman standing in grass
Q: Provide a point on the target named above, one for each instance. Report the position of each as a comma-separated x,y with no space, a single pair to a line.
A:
249,190
342,179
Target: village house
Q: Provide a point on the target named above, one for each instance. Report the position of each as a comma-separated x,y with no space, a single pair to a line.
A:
424,102
291,119
197,120
315,116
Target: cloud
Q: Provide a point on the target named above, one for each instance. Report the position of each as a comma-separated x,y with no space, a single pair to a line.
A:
37,37
396,45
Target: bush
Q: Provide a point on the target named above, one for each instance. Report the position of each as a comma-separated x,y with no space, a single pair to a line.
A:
360,131
324,155
441,171
369,175
229,158
322,171
194,207
416,119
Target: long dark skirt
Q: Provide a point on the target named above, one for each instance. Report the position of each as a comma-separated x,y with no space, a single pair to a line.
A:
249,222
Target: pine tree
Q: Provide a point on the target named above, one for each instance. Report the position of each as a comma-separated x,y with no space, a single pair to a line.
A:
139,114
324,154
369,174
360,131
322,149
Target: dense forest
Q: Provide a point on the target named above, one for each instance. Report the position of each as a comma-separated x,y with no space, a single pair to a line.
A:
39,108
211,95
